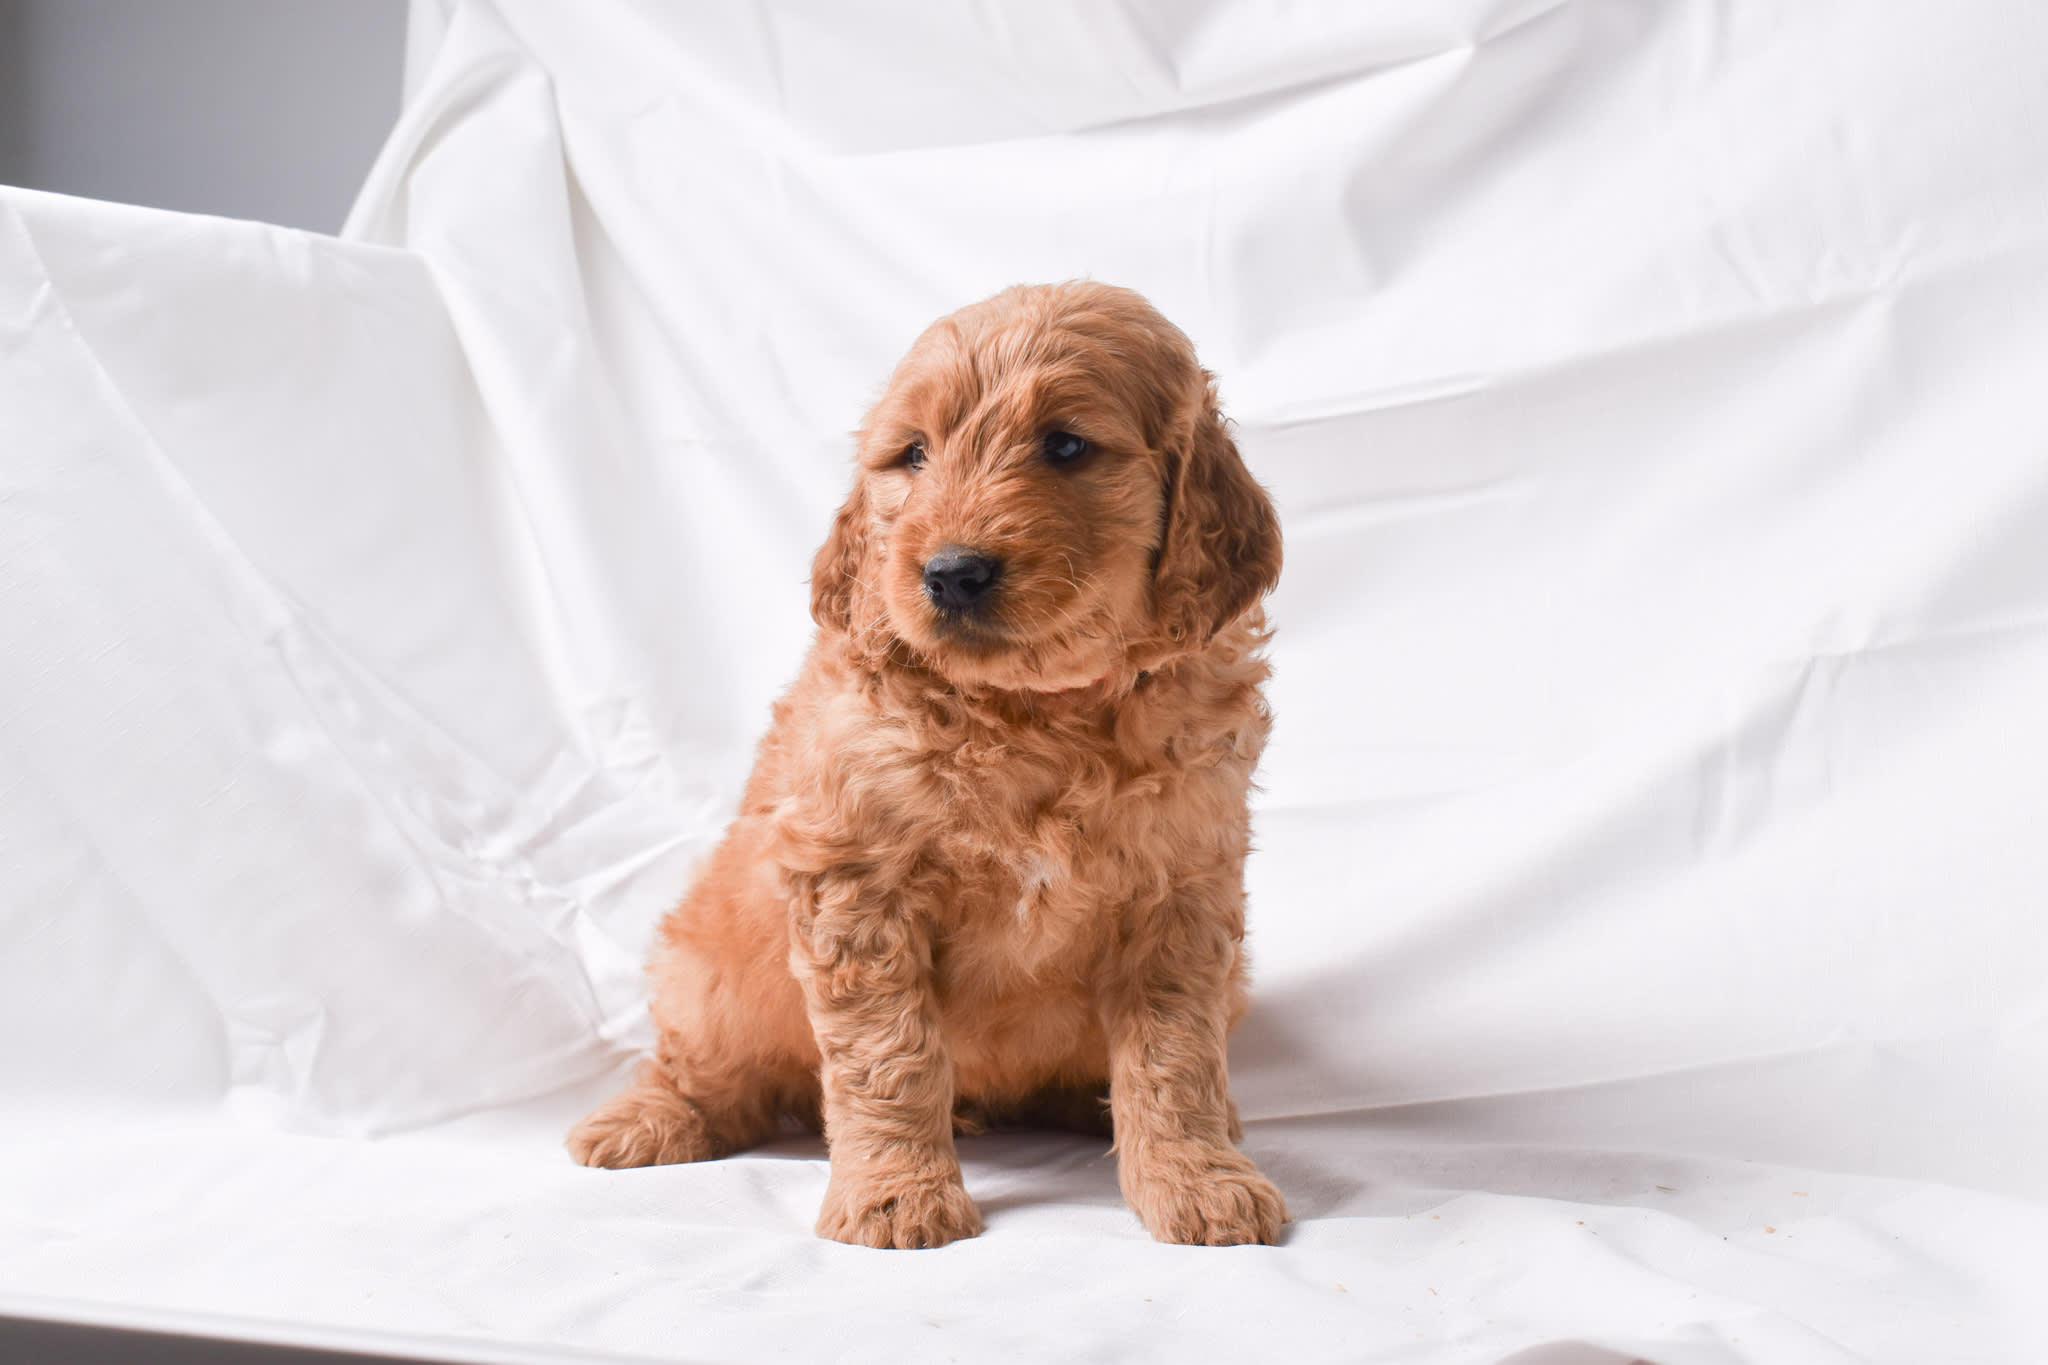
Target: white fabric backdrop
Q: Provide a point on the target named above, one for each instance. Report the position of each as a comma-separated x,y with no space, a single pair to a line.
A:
1652,394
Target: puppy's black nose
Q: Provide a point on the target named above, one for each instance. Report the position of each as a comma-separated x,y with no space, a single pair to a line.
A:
959,580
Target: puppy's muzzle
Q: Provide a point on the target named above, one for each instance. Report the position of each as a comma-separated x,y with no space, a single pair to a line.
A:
958,581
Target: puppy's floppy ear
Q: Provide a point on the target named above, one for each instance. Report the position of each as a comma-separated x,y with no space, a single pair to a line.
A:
840,562
1221,550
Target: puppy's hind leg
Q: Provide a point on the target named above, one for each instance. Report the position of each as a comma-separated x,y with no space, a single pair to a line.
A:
650,1123
734,1054
653,1123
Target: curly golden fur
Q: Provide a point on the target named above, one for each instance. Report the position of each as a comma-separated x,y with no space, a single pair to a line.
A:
990,864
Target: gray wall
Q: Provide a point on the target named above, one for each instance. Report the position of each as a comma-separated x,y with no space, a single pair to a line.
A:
268,109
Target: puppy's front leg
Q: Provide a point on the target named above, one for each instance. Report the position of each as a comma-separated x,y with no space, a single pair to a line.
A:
1167,1010
865,965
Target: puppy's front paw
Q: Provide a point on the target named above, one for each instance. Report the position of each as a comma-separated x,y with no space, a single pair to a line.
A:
1204,1196
648,1125
901,1213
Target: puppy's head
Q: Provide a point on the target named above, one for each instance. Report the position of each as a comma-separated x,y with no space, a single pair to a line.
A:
1046,497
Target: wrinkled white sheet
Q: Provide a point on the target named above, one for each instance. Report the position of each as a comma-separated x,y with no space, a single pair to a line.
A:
1648,918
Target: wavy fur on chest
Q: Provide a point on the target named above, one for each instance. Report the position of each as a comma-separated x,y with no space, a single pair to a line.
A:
1029,832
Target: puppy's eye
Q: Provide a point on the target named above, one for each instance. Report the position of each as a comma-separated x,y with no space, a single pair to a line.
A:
913,456
1062,447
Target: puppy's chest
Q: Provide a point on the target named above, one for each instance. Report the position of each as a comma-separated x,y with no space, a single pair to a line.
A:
1036,906
1028,841
1024,846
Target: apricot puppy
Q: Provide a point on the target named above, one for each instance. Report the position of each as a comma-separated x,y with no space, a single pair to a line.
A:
990,864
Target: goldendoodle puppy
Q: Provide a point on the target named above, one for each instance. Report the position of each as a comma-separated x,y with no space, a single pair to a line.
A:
990,864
